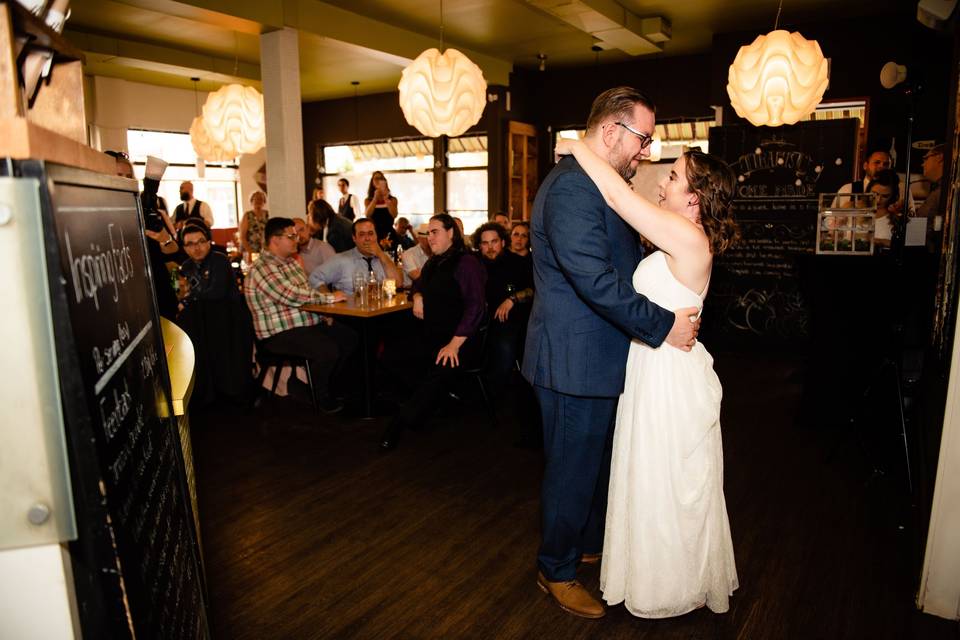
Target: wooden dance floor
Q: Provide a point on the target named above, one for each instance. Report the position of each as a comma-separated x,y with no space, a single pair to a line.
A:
308,532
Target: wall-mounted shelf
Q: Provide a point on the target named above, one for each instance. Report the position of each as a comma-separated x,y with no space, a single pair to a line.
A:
521,169
53,127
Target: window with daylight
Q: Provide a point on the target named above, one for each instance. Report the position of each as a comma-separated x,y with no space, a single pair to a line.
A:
407,165
219,187
467,180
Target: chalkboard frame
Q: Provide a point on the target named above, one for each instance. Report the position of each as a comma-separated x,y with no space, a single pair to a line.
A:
751,310
103,609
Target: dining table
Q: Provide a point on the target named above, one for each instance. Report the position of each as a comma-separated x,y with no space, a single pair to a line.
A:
366,313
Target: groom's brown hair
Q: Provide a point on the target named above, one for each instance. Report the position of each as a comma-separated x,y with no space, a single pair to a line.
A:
619,103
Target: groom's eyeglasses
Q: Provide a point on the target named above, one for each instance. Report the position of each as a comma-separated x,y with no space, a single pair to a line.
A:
645,140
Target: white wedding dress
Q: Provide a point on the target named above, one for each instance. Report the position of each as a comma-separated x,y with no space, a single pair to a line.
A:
667,548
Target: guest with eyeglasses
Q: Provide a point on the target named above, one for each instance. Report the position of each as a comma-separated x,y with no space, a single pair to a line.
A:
207,274
276,288
932,208
213,314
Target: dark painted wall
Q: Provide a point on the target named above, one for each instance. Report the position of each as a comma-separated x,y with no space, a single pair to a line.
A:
857,50
679,86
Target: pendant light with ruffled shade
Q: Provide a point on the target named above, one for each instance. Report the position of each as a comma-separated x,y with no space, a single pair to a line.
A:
442,92
778,79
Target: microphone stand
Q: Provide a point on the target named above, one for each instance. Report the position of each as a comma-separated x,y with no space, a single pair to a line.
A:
894,351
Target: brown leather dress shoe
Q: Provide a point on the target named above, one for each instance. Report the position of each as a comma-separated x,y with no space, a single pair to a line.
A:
572,597
591,558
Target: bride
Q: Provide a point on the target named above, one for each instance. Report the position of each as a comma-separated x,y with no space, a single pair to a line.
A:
667,547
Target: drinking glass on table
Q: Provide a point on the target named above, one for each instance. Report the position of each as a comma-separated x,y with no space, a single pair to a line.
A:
359,288
373,288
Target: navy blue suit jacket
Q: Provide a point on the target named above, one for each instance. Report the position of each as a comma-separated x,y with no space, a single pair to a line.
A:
585,311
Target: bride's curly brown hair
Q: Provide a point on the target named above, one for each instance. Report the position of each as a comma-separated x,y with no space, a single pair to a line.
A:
714,183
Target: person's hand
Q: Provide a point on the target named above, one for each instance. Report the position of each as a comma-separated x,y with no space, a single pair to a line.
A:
418,306
503,310
339,296
686,326
155,235
564,148
448,356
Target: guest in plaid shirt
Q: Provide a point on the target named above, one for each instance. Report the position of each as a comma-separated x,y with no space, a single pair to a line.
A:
275,288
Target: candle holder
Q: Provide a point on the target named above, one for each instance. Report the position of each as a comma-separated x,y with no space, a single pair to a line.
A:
389,288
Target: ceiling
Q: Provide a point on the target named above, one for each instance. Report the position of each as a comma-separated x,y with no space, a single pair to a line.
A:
370,41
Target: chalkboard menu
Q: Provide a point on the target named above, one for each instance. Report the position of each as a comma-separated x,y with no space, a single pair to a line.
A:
137,560
755,293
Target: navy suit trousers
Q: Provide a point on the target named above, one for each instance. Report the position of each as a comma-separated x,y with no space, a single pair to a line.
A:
577,441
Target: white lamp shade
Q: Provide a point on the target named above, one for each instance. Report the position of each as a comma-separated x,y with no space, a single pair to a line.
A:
204,145
233,116
778,79
442,93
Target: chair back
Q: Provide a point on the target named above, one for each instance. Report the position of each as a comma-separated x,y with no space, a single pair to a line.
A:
479,355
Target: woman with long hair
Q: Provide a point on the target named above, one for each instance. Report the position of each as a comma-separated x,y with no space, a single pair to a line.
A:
450,299
886,186
381,207
667,547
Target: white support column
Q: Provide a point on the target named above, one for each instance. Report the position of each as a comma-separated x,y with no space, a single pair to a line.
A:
939,592
280,70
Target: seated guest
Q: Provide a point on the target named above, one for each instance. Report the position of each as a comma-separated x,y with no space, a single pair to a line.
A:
311,251
501,219
218,323
415,257
449,298
208,274
338,272
404,235
520,239
509,293
886,185
467,240
328,226
275,289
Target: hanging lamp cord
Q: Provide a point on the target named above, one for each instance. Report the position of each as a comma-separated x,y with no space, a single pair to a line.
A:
441,27
776,23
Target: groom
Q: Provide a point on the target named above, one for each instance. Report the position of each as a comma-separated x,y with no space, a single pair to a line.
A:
584,315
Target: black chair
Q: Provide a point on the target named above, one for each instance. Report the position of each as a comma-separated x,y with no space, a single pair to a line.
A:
476,369
266,358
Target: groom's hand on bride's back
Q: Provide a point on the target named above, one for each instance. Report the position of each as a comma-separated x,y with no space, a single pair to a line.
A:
686,326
